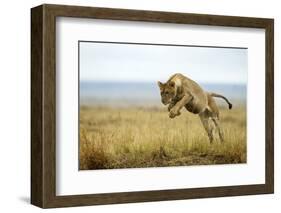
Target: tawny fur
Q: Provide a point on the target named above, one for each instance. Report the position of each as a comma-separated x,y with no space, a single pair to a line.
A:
180,91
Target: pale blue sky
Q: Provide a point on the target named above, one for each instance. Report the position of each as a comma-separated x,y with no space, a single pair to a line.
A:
150,63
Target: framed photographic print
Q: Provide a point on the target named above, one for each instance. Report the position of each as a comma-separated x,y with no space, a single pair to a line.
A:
136,106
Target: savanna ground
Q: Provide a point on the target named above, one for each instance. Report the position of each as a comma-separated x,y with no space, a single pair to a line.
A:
136,137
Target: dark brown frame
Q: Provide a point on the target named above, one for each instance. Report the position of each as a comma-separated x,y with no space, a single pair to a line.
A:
43,105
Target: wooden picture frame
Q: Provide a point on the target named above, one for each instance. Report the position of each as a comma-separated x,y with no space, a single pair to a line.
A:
43,105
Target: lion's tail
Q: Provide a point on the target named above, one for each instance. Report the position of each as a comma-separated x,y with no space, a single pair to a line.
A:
221,96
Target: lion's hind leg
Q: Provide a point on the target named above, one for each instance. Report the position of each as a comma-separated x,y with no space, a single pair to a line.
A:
207,124
214,114
216,122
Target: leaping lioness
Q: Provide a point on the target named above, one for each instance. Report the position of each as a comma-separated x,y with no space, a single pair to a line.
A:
180,91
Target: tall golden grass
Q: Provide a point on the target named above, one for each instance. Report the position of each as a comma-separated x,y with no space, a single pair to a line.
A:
136,137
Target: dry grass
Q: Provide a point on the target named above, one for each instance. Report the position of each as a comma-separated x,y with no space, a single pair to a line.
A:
146,137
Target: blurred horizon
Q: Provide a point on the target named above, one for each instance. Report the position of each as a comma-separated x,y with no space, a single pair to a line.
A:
146,93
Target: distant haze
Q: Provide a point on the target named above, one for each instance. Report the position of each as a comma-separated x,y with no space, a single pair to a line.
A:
148,63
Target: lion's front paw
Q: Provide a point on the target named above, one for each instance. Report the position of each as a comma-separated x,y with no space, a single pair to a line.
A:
169,108
173,113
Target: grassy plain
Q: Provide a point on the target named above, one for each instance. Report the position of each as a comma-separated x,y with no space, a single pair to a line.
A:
135,137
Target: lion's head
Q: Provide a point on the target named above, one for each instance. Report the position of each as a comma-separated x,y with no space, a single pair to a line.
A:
167,91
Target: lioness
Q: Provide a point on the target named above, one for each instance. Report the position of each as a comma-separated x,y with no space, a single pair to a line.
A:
180,91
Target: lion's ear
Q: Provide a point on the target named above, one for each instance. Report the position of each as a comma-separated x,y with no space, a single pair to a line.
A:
160,85
172,84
